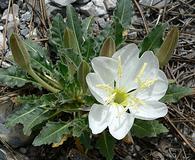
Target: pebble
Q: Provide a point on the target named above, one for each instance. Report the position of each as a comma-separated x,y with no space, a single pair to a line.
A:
62,3
3,4
110,4
24,31
26,17
102,23
22,150
1,28
94,8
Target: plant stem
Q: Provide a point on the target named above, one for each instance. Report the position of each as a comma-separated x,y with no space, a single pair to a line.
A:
43,83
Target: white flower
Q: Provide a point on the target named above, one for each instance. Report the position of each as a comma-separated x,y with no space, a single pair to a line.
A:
127,87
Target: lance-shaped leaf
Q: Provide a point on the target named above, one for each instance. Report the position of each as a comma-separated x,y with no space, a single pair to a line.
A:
19,52
147,128
56,37
70,40
87,26
14,77
29,116
124,12
175,93
168,46
53,132
74,24
106,144
83,70
108,48
38,57
154,39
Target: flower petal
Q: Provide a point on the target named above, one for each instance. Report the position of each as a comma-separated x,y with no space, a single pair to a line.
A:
106,68
93,80
150,58
121,122
129,56
156,91
126,52
150,110
98,118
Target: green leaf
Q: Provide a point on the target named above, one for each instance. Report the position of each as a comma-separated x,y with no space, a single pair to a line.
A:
166,50
38,57
29,116
124,12
56,37
79,125
175,93
118,32
14,77
70,40
53,132
85,140
147,128
87,26
105,144
83,70
19,52
74,24
154,39
108,48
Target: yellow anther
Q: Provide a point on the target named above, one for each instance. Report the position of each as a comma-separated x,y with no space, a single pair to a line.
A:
120,68
105,87
141,72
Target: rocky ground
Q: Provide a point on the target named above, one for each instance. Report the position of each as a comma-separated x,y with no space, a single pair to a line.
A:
31,19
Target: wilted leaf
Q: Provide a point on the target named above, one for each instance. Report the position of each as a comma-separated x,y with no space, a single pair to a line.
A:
124,12
166,50
147,128
108,48
175,93
154,39
105,144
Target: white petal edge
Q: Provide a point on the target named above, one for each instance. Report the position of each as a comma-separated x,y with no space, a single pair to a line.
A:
106,68
93,80
150,110
126,51
121,122
98,118
150,58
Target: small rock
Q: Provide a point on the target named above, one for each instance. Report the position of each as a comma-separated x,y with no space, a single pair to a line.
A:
11,16
157,155
101,21
110,4
26,17
3,4
51,9
23,150
94,8
62,3
24,32
1,28
82,1
138,148
13,136
22,26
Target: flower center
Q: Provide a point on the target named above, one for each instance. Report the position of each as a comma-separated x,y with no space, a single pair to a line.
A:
120,96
